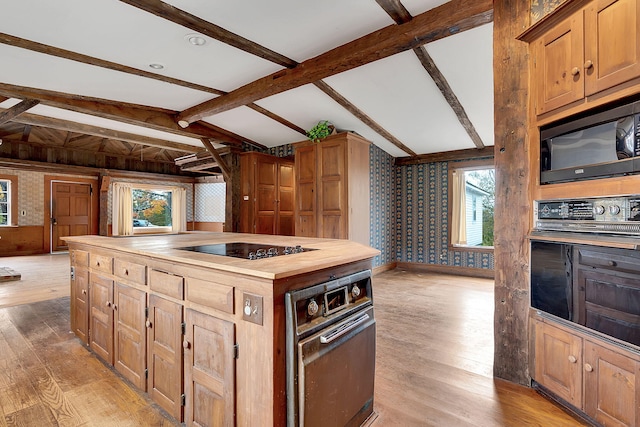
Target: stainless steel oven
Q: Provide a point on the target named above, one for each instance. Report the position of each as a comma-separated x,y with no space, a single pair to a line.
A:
331,344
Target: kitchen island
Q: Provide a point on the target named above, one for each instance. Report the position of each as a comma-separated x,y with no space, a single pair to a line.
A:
202,333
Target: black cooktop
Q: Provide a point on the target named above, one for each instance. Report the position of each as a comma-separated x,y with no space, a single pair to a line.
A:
246,250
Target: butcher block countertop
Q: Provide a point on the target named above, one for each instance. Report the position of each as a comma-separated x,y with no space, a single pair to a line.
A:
329,253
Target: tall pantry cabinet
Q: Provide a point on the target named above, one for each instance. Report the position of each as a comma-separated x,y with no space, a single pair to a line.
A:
267,187
332,192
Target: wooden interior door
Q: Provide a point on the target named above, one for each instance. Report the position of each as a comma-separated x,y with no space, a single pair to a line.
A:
286,200
332,214
265,196
70,212
305,176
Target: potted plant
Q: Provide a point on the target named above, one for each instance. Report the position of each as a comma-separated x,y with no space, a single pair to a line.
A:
320,131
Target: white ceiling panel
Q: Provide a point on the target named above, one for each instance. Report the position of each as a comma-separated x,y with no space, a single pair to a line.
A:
470,75
399,95
137,40
32,69
298,29
416,7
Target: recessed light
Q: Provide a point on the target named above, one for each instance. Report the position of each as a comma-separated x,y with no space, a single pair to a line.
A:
195,39
156,66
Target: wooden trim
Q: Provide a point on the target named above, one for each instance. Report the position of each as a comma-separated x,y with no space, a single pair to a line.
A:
448,269
435,24
17,109
14,198
447,156
95,198
385,267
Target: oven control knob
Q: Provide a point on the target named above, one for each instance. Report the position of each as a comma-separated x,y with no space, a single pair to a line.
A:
312,308
598,209
355,291
614,209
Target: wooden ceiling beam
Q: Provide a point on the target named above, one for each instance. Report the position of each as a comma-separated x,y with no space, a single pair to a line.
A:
226,172
16,110
199,25
395,10
65,125
450,18
344,102
133,114
446,156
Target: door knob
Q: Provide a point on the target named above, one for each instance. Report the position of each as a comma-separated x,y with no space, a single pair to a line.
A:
54,221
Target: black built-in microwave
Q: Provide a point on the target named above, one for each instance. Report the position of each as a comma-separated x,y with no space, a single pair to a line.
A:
598,145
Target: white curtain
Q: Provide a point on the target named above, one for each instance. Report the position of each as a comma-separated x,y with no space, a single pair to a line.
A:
122,214
178,209
458,214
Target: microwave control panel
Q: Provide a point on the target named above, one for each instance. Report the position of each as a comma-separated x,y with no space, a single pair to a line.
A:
618,215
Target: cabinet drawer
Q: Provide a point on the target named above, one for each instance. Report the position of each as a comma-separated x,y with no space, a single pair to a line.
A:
167,283
79,257
130,271
211,294
101,263
617,260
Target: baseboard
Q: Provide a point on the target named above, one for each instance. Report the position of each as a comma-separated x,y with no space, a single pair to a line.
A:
448,269
385,267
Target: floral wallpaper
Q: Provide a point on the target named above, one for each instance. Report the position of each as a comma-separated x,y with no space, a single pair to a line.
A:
540,8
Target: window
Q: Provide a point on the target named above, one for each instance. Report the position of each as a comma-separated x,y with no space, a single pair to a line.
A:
471,204
151,208
5,202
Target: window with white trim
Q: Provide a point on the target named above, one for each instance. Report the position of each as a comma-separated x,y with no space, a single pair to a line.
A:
5,202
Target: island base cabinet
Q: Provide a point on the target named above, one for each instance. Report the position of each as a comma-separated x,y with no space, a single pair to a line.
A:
80,303
101,317
130,334
164,348
209,371
611,386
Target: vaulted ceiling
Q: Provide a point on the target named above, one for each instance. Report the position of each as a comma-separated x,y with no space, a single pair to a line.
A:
413,76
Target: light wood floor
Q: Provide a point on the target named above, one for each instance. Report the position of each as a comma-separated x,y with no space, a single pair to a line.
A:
433,364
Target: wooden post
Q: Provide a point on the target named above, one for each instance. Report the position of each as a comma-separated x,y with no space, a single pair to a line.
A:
232,211
103,218
512,210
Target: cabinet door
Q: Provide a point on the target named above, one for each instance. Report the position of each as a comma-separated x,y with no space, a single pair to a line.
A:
332,196
286,200
209,371
611,384
558,362
101,317
558,62
306,191
164,337
129,334
612,43
265,213
80,304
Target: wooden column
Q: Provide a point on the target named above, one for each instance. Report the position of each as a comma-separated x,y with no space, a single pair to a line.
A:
103,217
512,210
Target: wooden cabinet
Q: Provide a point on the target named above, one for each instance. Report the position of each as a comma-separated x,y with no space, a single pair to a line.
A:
332,198
594,49
80,303
268,196
566,362
129,333
209,368
164,360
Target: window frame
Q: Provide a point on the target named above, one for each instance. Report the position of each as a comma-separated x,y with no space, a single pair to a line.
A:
156,229
13,202
467,165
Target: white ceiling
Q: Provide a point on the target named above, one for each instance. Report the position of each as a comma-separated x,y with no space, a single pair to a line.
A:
396,92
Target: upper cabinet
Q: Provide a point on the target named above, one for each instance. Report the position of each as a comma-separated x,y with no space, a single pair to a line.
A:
332,192
587,52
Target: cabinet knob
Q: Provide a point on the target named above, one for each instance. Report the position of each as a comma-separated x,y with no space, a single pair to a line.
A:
575,71
588,367
84,292
126,272
186,345
108,304
115,307
588,64
612,263
572,359
147,323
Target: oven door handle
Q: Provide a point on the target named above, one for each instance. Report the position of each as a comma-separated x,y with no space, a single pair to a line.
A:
343,329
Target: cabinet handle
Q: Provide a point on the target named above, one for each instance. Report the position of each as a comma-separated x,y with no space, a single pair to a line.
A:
575,71
572,359
588,367
84,292
126,272
115,307
588,64
97,263
147,323
186,345
108,304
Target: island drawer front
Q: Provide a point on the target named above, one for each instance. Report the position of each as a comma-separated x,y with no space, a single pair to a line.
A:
210,294
101,262
130,271
167,283
79,257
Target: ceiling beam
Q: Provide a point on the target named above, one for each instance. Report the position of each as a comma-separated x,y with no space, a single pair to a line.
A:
344,102
199,25
68,126
450,18
226,172
17,109
133,114
277,118
401,15
446,156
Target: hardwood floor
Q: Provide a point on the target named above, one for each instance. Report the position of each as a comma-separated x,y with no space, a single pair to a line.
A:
433,365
